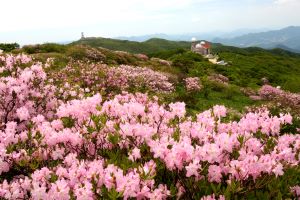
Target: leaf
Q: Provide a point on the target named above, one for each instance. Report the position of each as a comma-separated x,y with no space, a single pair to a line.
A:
176,135
173,190
241,139
113,138
68,122
213,187
113,194
227,193
53,178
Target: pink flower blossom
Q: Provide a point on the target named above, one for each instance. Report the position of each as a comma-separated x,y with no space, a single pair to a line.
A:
23,113
214,173
135,154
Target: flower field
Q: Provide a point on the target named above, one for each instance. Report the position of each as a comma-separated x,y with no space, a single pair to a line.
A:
84,133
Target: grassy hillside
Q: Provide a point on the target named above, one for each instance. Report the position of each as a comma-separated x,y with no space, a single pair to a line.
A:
247,67
149,46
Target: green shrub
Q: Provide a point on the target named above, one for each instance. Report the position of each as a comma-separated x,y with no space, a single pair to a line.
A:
76,52
293,85
45,48
230,92
8,47
216,86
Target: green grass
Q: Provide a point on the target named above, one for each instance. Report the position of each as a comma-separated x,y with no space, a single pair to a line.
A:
247,66
229,96
238,101
251,64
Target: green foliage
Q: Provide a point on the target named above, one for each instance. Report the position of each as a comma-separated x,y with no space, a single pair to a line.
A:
53,178
167,53
249,65
292,84
113,138
45,48
68,122
76,53
231,91
8,47
186,60
215,86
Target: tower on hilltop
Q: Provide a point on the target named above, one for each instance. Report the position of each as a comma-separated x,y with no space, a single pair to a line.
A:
194,42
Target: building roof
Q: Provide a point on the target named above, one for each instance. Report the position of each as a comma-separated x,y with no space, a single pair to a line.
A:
204,45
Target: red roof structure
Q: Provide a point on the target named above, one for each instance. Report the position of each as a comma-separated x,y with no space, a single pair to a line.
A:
206,45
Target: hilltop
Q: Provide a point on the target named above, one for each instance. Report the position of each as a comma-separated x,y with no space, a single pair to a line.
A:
149,46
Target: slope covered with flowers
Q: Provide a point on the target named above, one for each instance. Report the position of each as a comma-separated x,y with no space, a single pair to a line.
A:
286,99
97,77
130,146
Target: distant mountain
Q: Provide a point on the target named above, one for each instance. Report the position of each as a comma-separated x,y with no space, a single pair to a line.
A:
287,38
188,36
178,37
143,38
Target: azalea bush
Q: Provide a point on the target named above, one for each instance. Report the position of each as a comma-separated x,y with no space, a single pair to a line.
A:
130,146
126,76
284,98
193,84
24,92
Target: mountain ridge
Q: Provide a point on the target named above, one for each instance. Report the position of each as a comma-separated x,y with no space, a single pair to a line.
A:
287,38
187,36
154,45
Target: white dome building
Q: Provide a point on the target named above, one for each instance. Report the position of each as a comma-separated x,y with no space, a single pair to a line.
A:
198,46
202,48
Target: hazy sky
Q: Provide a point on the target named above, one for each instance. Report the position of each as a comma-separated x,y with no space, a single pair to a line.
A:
32,21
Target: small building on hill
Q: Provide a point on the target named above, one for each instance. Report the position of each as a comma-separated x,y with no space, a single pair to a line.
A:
82,36
202,48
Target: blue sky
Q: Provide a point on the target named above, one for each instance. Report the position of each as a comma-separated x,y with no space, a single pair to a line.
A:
36,21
